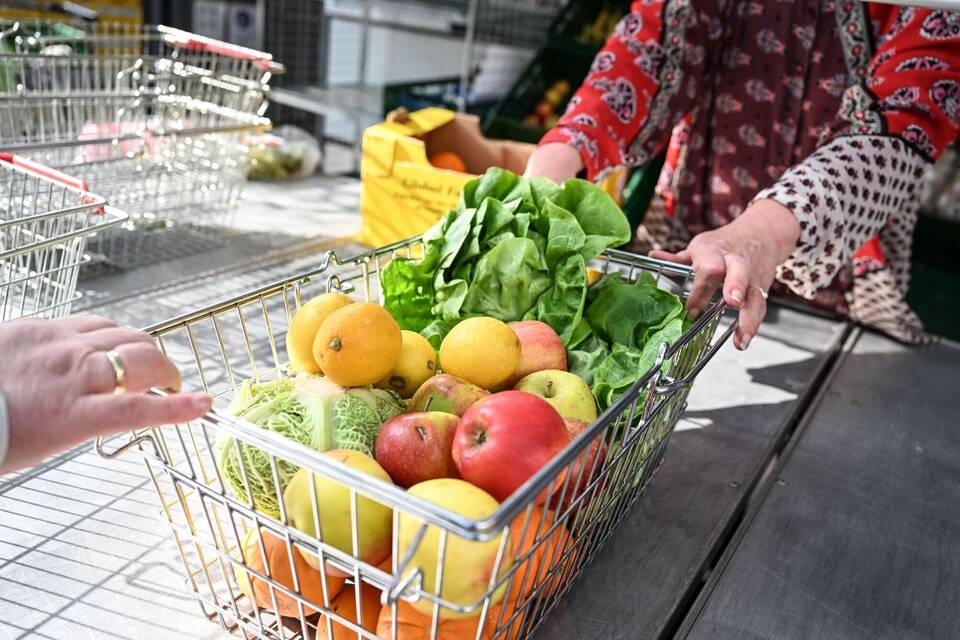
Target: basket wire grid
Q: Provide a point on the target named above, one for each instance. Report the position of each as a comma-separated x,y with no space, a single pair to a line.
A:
592,483
156,119
45,220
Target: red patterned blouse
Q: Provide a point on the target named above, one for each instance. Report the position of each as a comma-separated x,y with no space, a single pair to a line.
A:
834,109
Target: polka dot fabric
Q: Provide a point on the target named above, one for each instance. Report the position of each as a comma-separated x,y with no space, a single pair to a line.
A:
764,91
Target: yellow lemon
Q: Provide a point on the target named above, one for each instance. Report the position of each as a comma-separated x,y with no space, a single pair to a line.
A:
484,351
418,361
304,326
357,344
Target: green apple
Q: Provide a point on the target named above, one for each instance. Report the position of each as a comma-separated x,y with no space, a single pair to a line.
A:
467,565
333,505
568,394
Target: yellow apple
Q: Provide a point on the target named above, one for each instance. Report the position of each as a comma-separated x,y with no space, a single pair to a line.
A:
467,565
374,519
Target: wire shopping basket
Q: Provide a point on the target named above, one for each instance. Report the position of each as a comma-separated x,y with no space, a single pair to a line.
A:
156,119
46,217
250,570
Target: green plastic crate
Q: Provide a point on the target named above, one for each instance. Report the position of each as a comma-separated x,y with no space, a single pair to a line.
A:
439,92
569,23
935,282
505,120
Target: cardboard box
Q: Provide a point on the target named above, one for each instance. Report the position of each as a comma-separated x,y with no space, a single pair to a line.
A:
402,194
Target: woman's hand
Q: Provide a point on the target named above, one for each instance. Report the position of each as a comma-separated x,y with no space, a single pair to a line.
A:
59,385
556,161
742,257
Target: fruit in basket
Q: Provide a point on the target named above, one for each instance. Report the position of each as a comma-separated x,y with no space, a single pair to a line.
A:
357,344
415,625
415,447
304,326
446,393
307,409
539,550
448,160
278,560
334,508
589,462
503,440
565,391
345,606
417,362
467,565
540,348
310,410
481,350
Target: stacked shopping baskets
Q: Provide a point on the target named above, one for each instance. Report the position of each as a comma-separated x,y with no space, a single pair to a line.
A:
155,119
46,217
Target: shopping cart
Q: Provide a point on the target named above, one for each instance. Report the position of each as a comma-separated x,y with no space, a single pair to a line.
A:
45,219
594,481
157,119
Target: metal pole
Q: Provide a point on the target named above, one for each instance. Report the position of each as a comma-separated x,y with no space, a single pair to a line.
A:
468,42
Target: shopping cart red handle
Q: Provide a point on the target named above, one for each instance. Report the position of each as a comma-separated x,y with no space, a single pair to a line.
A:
44,171
199,43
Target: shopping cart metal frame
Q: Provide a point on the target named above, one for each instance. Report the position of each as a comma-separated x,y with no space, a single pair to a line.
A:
157,119
207,519
46,217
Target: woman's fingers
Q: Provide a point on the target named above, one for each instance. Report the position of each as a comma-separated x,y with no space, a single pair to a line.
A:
109,414
682,257
709,269
736,281
751,315
144,365
83,323
113,337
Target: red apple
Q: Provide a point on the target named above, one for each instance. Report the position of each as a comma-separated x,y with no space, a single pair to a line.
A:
543,109
589,462
505,439
540,349
446,393
415,447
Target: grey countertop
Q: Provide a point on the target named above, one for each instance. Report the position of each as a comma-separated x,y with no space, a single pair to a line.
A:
856,535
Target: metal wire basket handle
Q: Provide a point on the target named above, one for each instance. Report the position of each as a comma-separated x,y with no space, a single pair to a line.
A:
44,171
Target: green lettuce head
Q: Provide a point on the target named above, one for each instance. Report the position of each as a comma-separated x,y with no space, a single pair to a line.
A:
308,409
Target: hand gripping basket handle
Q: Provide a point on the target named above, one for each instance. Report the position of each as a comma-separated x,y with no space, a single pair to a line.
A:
44,171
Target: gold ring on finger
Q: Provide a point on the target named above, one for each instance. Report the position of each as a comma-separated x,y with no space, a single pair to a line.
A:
119,371
763,292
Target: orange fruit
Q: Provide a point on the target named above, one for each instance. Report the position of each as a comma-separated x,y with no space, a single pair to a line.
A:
414,625
534,569
345,606
417,362
258,589
357,344
303,329
448,160
482,350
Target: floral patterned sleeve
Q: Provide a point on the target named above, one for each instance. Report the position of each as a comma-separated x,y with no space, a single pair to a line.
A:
865,181
612,105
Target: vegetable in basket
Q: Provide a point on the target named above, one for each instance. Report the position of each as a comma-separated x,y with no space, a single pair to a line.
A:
513,249
311,410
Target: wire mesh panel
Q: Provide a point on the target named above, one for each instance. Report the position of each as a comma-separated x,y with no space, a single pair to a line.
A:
45,219
156,119
280,541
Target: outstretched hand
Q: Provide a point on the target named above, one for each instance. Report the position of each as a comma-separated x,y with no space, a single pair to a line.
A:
741,257
59,385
